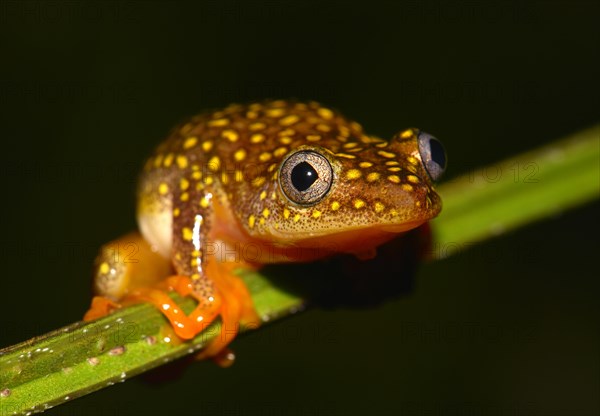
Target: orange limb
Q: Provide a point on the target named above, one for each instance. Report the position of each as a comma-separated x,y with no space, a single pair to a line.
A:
100,307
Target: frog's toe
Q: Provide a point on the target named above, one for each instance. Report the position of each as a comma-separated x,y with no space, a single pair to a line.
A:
216,348
100,307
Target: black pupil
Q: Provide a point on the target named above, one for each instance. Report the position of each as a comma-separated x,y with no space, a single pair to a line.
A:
437,153
303,176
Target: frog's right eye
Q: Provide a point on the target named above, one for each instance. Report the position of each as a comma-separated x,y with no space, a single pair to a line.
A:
305,177
433,155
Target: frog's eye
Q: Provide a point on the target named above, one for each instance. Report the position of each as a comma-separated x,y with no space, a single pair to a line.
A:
305,177
433,155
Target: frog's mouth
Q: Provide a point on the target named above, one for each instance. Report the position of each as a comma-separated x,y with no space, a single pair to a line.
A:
356,241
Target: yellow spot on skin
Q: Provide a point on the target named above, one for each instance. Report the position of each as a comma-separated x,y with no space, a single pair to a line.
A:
355,126
388,155
168,160
313,137
280,151
266,212
187,234
239,155
412,160
190,142
358,203
418,203
335,205
182,162
393,212
345,155
406,134
178,256
208,180
407,187
184,196
194,262
379,207
353,174
158,161
207,145
273,195
380,145
350,145
365,164
372,177
286,213
230,135
195,253
251,221
412,178
195,276
395,169
257,126
316,214
186,128
104,268
251,114
214,163
238,176
368,140
323,127
265,156
411,169
163,188
286,132
263,195
261,221
184,184
257,138
204,202
394,178
271,167
326,113
344,131
285,140
218,122
296,217
392,163
176,212
224,178
197,175
258,181
289,120
275,112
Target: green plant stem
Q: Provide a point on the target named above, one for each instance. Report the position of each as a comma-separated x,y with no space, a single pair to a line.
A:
81,358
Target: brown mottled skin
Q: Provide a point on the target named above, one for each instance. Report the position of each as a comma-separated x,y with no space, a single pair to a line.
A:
213,188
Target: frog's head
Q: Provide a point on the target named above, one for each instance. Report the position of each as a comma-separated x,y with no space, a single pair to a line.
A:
360,194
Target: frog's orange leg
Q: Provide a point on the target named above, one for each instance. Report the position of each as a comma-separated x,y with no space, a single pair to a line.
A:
237,309
100,307
185,326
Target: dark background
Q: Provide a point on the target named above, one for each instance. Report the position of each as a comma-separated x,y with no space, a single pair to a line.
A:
510,328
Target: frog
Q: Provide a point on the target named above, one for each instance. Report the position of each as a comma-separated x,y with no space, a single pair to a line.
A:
274,181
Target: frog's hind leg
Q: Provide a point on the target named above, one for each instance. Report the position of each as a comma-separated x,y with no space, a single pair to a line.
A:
121,266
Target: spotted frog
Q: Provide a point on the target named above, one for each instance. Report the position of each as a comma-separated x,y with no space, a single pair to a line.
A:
284,181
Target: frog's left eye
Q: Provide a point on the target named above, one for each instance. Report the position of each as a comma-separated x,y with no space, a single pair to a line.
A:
305,177
433,155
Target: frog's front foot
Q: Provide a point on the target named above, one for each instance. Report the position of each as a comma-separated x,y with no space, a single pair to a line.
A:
231,301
